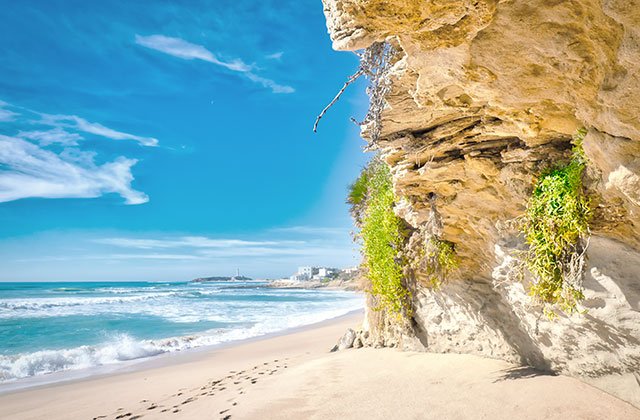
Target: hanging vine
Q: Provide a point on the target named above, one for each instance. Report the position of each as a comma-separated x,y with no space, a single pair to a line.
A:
556,228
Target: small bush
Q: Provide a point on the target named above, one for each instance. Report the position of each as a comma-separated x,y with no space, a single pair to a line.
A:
358,190
439,261
382,240
357,195
555,226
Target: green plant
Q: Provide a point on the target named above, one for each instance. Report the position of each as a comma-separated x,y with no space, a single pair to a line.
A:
357,195
555,227
382,239
358,190
439,260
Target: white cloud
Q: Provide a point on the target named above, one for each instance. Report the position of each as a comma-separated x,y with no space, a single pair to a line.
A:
111,257
27,170
182,49
71,122
5,114
149,257
275,56
207,248
187,51
54,136
268,83
316,252
187,241
80,124
313,230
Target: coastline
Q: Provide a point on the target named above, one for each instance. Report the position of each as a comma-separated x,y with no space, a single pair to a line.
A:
98,328
120,386
157,361
292,374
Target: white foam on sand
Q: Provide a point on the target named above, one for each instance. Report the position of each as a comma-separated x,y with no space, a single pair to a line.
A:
122,347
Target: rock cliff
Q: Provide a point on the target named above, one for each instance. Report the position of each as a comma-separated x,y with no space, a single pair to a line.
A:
485,96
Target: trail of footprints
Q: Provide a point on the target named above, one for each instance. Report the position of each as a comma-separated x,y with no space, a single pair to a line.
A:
237,382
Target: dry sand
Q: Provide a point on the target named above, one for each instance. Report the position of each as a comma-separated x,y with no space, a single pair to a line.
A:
295,377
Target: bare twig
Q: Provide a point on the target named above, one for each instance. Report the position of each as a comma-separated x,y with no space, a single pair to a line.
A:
375,63
351,79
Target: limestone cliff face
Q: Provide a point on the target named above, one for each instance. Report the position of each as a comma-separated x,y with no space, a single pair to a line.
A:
485,96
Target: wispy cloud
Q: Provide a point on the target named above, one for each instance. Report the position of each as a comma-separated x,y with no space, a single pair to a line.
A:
268,83
313,230
5,114
115,257
275,56
309,251
183,241
54,136
187,51
62,124
27,170
314,246
148,257
80,124
182,49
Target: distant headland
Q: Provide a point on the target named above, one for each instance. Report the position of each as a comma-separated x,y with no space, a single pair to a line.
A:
220,278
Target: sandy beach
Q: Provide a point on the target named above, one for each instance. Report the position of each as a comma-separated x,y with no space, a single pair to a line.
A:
294,376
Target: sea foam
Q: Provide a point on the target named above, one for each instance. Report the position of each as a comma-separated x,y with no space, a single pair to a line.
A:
242,313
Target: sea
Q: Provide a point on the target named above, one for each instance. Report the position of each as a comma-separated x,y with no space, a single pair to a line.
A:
52,327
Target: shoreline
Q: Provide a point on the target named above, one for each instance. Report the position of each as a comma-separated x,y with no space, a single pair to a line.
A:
293,375
167,378
150,362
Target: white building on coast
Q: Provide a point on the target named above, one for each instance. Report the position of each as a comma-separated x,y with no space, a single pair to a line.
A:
313,273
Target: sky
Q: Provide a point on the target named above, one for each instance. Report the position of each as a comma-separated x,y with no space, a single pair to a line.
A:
159,141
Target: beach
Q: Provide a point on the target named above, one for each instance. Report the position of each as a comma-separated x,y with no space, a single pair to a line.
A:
294,375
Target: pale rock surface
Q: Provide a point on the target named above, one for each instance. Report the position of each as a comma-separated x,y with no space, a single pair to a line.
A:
346,342
486,95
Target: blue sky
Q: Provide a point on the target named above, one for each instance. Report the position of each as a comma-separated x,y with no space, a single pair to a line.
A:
147,140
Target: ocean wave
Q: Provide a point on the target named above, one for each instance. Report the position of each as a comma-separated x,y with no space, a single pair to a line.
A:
123,347
46,303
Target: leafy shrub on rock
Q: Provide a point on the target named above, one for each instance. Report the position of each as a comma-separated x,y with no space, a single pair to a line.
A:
556,228
382,236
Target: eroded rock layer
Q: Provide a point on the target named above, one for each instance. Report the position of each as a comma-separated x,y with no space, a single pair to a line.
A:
486,95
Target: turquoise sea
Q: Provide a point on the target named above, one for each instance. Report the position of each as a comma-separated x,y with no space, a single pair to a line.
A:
51,327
